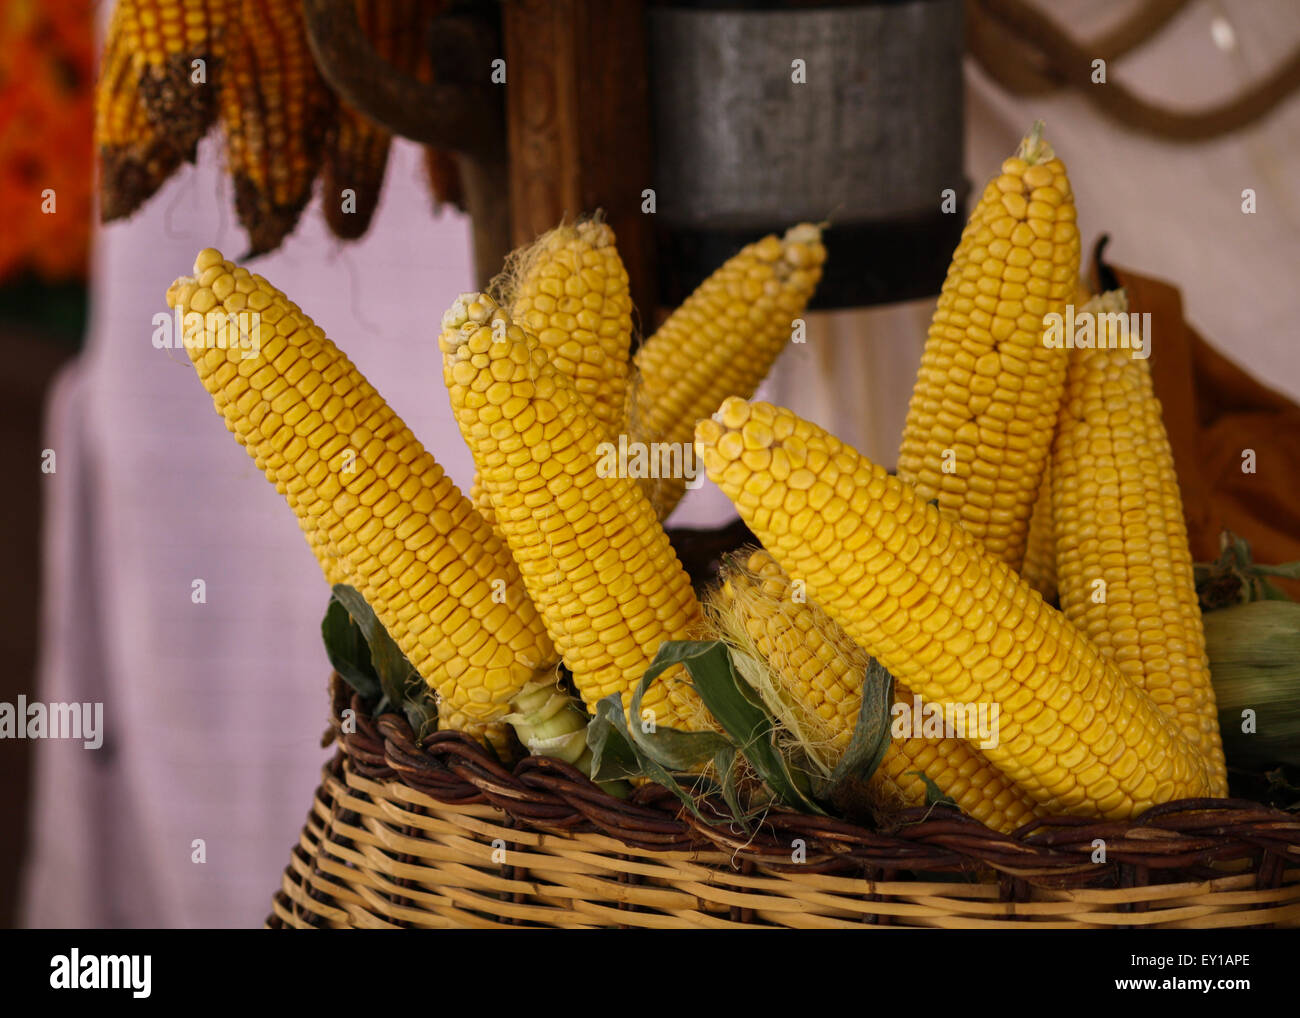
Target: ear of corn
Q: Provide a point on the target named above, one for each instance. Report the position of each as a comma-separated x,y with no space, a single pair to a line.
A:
275,111
572,294
570,290
166,38
442,171
1125,567
1039,568
135,156
593,555
949,620
356,153
378,511
819,672
722,341
981,417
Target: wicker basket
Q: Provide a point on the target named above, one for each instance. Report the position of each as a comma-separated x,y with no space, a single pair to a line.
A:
438,834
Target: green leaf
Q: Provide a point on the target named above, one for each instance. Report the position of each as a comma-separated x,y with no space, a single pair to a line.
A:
613,757
345,645
402,686
736,707
870,742
1271,591
1289,570
672,749
609,731
933,793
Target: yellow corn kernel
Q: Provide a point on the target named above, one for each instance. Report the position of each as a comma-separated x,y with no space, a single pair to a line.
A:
980,422
990,605
342,504
1125,565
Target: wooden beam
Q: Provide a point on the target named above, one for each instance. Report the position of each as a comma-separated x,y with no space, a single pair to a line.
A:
578,123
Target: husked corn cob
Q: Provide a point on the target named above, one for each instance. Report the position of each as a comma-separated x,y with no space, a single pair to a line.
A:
1039,569
948,619
275,111
980,420
378,511
135,156
593,555
572,294
356,154
165,38
722,341
1125,565
819,671
570,290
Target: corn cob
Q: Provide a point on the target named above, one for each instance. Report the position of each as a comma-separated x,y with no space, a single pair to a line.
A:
275,111
947,619
1039,569
570,290
356,154
442,171
819,672
722,341
135,157
980,420
1125,564
572,294
165,38
379,513
593,556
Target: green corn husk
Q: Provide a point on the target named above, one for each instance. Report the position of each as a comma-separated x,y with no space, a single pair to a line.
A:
1254,652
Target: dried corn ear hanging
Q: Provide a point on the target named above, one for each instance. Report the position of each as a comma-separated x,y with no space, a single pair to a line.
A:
721,342
356,153
178,48
135,155
980,421
275,111
1125,567
379,512
948,619
816,673
593,555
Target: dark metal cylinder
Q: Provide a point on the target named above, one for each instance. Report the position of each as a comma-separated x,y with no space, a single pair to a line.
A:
869,139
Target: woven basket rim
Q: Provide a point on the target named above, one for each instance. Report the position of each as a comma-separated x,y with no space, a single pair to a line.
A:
1174,842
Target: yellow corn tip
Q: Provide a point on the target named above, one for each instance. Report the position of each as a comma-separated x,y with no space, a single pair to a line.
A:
947,619
592,553
980,421
819,672
1125,565
572,295
135,156
379,512
275,111
165,38
721,342
1039,568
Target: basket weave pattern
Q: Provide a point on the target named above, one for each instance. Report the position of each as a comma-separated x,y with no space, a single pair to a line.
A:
439,834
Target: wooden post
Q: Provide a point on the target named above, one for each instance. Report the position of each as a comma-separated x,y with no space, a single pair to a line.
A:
578,123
